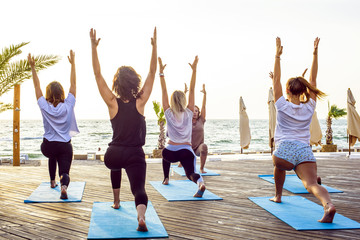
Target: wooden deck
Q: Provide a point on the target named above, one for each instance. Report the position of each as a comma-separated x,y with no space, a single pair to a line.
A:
235,217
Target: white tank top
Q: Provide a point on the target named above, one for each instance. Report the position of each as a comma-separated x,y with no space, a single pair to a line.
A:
179,130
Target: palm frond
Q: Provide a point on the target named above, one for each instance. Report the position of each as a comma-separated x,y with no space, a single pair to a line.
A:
336,112
5,106
9,52
18,71
156,108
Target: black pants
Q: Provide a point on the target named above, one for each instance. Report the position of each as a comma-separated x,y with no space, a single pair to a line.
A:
60,153
185,157
132,159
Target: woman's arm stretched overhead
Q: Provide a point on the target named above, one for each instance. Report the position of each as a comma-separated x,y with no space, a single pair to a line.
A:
71,58
314,68
203,108
38,92
149,82
165,98
105,92
277,71
191,102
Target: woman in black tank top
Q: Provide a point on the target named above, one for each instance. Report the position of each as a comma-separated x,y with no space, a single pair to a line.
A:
126,103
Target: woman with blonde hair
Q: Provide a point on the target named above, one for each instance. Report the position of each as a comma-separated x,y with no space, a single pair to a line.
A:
292,132
179,115
59,124
126,105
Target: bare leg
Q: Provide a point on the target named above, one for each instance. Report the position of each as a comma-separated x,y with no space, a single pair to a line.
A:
308,174
279,177
141,209
116,193
280,167
203,155
202,162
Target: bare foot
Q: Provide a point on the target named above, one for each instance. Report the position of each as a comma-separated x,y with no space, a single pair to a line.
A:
202,170
53,184
166,181
276,199
116,205
142,225
63,192
329,213
201,191
318,180
179,165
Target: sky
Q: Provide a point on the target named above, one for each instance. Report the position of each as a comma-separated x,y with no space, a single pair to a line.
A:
234,39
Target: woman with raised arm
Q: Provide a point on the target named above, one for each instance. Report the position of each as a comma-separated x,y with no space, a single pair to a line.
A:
126,104
179,116
59,124
292,132
197,137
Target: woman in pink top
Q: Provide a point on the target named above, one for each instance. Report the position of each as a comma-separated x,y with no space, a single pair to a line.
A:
292,132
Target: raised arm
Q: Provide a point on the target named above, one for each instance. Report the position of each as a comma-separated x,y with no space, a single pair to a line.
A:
105,92
314,67
38,92
149,82
191,102
277,71
71,58
165,98
203,108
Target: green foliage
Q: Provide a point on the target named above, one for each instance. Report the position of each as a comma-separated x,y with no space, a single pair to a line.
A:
5,106
12,73
335,112
159,111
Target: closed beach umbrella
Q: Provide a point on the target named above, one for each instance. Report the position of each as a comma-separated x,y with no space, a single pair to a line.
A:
245,135
353,120
272,119
315,130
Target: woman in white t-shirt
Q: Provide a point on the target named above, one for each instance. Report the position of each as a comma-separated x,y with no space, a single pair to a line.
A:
179,128
292,132
59,124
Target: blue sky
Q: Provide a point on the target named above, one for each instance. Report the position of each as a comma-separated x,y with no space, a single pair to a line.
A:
235,42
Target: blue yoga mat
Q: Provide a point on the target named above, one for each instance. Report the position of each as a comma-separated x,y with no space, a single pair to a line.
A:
181,171
293,184
302,214
182,190
44,193
109,223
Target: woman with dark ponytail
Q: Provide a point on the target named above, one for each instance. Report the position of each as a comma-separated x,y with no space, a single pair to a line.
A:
292,132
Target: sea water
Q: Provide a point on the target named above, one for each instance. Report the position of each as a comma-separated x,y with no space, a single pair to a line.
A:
221,136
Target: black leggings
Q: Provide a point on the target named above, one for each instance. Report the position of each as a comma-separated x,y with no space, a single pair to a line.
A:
62,153
186,159
133,160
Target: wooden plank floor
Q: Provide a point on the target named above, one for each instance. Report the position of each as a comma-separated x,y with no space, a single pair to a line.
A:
235,217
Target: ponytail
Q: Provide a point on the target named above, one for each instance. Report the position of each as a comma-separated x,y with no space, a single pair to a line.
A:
300,86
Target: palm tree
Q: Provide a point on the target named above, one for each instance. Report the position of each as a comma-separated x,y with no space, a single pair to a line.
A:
334,112
159,111
12,73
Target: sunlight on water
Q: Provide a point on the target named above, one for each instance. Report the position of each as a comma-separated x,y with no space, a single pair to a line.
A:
220,135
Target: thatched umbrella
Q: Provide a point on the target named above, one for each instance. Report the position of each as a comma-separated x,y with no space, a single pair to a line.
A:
244,127
353,120
272,119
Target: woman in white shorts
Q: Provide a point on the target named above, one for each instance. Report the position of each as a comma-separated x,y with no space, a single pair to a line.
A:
292,132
